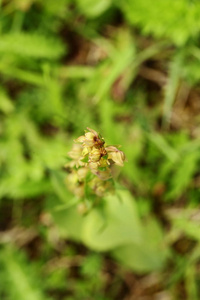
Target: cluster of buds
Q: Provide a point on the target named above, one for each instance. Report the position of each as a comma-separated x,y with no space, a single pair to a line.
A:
88,156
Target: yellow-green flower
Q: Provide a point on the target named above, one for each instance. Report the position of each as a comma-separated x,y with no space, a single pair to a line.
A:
74,184
76,155
90,139
117,156
100,188
89,155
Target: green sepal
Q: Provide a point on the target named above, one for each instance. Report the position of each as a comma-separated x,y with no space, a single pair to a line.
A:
85,159
102,168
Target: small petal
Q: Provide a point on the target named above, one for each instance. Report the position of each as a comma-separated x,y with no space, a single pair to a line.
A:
93,131
89,136
76,151
80,139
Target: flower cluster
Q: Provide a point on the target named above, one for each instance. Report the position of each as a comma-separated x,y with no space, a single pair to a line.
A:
90,155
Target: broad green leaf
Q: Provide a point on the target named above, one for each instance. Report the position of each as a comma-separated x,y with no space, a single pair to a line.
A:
120,224
148,255
69,221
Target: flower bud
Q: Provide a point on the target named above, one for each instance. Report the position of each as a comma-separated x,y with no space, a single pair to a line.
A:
94,155
100,187
72,178
82,173
79,190
82,208
104,175
80,139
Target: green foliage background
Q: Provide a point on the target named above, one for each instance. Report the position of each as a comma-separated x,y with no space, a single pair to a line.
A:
131,71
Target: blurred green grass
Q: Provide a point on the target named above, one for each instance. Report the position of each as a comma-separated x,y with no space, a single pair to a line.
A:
130,70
